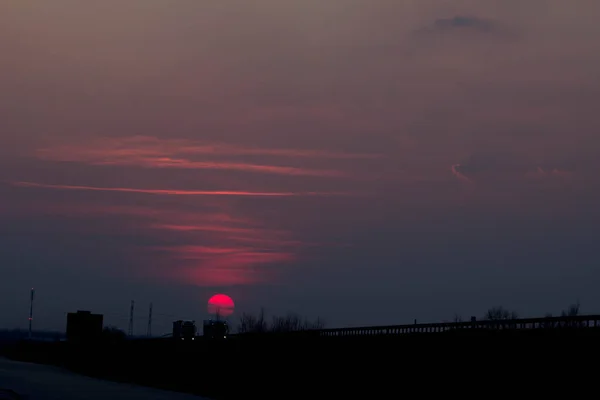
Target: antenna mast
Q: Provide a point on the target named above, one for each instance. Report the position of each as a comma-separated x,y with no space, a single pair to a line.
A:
149,332
130,331
31,311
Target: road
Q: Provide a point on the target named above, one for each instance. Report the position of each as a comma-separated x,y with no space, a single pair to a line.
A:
42,382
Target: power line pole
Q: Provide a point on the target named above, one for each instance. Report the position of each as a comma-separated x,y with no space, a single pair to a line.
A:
149,332
130,331
31,312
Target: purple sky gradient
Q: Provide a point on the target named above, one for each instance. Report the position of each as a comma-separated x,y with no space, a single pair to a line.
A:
421,158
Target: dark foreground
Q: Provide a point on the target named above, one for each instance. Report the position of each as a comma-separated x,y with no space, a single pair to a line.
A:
42,382
309,367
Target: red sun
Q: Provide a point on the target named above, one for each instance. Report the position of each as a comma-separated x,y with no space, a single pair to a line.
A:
221,304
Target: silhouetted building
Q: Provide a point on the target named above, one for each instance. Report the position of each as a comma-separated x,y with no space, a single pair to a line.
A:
83,326
184,330
215,329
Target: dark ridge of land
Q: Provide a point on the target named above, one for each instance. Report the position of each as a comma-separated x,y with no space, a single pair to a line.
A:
282,366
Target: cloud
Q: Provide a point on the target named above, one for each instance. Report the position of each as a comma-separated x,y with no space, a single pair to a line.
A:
165,162
211,266
465,22
220,249
152,152
462,41
464,26
495,167
172,192
207,245
456,171
540,172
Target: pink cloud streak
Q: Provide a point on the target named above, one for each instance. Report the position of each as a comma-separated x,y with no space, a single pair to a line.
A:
151,152
174,192
538,173
460,176
165,162
209,244
140,145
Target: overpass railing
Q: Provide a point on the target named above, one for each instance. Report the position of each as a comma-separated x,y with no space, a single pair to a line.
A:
579,321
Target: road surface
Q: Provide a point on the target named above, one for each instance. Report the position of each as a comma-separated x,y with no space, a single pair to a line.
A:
42,382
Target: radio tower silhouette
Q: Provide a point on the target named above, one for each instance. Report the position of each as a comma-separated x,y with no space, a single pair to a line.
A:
130,331
31,312
149,332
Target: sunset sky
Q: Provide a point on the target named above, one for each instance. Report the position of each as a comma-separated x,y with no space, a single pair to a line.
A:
365,161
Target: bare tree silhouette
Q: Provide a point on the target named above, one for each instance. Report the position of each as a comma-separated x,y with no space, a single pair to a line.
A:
500,313
572,311
547,324
249,323
112,334
294,323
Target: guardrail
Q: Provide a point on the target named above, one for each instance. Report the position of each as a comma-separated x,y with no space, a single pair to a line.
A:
580,321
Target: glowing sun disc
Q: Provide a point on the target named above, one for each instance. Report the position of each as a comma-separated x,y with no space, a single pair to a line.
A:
221,304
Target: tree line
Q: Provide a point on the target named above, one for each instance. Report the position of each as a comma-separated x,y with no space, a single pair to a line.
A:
500,313
250,323
292,322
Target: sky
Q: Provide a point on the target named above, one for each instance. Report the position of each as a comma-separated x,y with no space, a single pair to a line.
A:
363,161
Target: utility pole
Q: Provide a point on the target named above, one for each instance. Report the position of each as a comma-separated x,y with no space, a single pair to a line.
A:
130,331
149,332
31,312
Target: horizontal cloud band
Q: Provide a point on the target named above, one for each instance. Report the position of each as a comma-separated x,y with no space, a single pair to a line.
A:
174,192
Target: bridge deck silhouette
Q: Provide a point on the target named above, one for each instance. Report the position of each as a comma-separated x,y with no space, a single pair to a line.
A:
579,321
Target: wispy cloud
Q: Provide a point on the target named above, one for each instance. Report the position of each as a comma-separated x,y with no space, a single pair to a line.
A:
165,162
489,169
235,251
228,266
235,256
205,228
151,152
466,22
208,244
149,145
470,25
174,192
459,175
552,172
